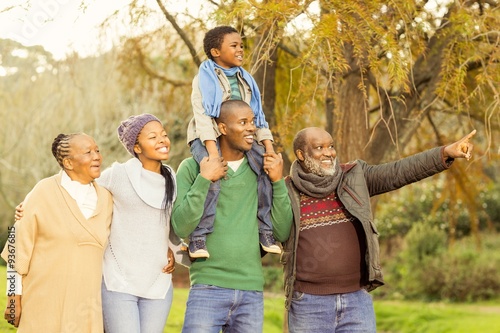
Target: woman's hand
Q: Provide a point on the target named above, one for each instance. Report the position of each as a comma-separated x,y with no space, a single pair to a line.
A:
13,310
19,212
170,267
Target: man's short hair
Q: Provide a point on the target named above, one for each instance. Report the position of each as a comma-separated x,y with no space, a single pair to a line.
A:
227,108
299,141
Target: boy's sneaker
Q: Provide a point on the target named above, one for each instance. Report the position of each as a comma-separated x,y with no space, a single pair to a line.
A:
268,243
198,249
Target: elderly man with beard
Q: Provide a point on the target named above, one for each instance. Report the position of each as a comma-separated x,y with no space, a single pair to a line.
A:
331,259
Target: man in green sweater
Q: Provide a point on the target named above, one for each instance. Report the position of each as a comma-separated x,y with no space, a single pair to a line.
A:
227,288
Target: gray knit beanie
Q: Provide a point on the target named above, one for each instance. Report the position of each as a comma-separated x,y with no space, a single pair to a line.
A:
129,130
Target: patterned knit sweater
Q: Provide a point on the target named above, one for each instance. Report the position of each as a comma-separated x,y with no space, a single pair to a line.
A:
329,250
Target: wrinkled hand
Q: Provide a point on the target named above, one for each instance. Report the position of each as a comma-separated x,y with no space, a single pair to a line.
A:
460,149
19,212
170,267
13,310
213,169
273,166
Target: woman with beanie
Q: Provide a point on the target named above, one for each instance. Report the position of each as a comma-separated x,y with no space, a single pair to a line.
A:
137,282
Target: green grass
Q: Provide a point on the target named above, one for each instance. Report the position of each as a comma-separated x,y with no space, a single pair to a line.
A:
417,317
392,316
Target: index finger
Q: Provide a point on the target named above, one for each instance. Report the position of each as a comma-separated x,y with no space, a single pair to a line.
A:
470,135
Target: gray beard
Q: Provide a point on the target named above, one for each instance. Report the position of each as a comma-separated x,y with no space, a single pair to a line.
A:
314,166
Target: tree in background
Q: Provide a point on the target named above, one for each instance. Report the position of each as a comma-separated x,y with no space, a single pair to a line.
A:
41,97
380,73
386,78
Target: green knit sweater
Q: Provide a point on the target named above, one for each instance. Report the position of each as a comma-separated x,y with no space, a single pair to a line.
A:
234,249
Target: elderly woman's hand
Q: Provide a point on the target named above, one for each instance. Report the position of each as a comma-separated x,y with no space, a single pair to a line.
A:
13,310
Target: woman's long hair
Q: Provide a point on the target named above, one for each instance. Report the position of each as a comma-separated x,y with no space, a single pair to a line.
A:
168,199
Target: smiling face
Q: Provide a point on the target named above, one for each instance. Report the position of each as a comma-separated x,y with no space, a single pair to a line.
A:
84,161
230,53
236,123
153,143
317,154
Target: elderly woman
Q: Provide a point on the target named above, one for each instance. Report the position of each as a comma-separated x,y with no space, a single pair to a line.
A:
56,249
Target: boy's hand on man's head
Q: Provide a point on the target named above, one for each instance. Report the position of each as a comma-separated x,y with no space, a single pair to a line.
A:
273,166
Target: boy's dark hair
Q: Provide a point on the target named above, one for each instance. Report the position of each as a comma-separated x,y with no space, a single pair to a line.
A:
213,38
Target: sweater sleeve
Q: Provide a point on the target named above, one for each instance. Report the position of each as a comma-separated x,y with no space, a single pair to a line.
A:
281,211
192,191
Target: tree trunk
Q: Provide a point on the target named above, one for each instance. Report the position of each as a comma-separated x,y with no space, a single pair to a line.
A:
265,76
329,107
350,120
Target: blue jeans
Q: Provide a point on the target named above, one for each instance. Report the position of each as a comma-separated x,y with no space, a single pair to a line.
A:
349,312
125,313
264,191
212,309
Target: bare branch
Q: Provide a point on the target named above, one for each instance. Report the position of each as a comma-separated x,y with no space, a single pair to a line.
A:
6,9
150,71
181,33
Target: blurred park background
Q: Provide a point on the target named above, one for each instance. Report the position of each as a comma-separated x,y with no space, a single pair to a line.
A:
387,79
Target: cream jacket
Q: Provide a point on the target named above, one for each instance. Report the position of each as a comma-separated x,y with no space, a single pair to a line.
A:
59,254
